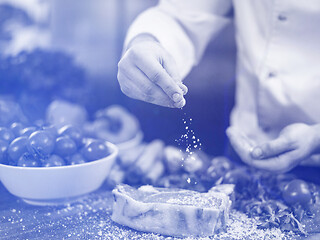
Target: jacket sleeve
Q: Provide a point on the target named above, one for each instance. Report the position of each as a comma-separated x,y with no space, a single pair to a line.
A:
183,27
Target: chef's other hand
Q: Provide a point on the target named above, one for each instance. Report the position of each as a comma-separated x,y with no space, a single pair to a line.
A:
148,72
295,143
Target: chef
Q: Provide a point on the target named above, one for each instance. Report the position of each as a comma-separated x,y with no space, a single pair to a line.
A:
275,123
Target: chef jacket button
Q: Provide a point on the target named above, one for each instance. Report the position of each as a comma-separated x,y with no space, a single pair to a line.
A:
282,17
266,129
271,74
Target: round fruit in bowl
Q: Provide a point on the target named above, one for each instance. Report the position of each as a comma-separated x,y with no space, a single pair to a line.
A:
50,168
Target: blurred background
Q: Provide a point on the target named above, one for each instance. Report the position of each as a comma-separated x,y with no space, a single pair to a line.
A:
70,50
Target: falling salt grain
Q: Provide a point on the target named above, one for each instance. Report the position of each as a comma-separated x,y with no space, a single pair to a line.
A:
184,142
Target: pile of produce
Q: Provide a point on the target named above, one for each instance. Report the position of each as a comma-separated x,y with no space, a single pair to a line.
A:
40,145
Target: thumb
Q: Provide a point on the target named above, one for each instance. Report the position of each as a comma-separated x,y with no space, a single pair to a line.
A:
271,149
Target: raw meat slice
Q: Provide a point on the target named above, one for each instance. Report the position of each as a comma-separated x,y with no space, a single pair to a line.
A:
174,212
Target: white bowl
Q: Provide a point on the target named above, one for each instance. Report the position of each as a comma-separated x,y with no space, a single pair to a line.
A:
55,185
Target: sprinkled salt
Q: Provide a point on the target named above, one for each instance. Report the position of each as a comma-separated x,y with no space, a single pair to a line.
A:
188,140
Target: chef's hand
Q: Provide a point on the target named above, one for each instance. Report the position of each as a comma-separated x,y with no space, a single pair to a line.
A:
295,143
148,72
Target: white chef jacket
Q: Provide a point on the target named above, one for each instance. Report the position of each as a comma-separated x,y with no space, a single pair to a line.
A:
278,55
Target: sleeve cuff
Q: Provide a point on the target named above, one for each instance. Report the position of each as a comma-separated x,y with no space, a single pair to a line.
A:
169,33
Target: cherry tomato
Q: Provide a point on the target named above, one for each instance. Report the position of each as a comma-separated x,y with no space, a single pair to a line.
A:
296,191
53,161
73,132
76,159
16,128
65,146
27,131
18,147
51,130
3,151
6,134
28,160
40,142
95,149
